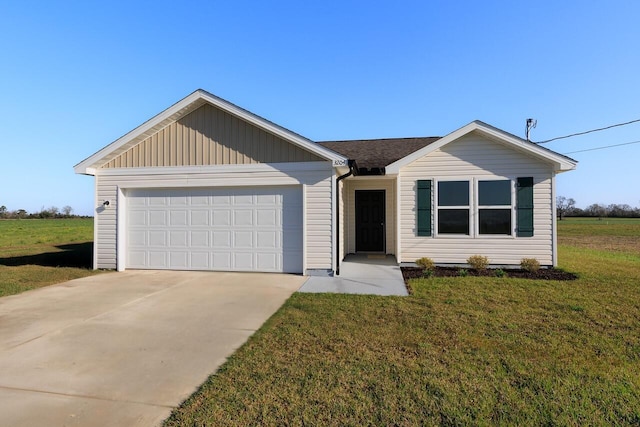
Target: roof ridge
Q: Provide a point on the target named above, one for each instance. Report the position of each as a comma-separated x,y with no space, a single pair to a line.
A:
381,139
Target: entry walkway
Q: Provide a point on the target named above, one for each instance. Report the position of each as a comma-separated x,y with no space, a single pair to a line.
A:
361,274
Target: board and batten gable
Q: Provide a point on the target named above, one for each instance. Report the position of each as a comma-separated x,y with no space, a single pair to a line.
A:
210,136
474,156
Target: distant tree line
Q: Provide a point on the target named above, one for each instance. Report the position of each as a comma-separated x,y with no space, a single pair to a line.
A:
51,212
566,207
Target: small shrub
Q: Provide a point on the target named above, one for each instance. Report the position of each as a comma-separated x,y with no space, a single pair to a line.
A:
426,263
500,272
427,273
530,264
478,262
463,272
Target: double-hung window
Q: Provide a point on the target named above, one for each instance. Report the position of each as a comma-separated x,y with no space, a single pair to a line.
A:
495,207
453,207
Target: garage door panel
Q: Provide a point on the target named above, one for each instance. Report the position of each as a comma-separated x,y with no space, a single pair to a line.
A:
157,218
222,199
221,260
157,201
267,217
178,200
138,238
222,239
233,229
243,199
243,239
137,217
178,218
199,218
243,261
243,217
199,239
137,257
157,238
178,239
267,261
267,199
268,240
157,259
139,201
221,217
179,260
200,260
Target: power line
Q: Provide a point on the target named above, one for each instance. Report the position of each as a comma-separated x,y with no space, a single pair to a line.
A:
589,131
602,148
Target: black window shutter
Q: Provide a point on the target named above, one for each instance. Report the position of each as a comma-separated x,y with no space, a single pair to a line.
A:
524,197
424,207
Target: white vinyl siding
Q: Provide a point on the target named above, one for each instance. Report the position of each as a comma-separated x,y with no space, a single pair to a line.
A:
389,187
105,223
315,177
475,157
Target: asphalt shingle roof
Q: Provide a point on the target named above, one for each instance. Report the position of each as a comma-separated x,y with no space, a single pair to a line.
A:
377,153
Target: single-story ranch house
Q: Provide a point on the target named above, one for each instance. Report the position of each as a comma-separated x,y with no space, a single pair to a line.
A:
207,185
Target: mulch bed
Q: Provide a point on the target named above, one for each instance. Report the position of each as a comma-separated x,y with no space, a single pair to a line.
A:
542,274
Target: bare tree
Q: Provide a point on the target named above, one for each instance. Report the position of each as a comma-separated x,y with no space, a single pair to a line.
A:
564,206
596,210
67,210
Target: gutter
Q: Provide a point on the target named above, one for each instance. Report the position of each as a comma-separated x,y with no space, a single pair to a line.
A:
352,171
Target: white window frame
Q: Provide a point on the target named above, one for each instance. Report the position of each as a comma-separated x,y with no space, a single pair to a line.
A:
512,207
436,209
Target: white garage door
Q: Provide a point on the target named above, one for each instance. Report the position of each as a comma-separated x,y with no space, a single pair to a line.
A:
229,229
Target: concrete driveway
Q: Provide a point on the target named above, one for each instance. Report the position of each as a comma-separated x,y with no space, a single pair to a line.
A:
123,349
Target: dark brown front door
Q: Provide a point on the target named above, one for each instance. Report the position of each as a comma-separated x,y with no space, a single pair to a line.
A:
370,220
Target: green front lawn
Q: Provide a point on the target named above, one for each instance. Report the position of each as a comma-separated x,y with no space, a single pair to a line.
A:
42,252
459,351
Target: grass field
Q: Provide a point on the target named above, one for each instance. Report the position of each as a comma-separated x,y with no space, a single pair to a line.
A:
618,235
41,252
459,351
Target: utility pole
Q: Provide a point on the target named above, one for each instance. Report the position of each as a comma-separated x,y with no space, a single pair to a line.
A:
531,123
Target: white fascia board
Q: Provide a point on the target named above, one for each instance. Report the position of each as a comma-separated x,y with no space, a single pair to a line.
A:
193,170
561,163
182,108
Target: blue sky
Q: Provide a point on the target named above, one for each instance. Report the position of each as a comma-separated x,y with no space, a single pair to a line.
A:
76,75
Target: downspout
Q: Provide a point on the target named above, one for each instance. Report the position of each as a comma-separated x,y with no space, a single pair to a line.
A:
340,178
